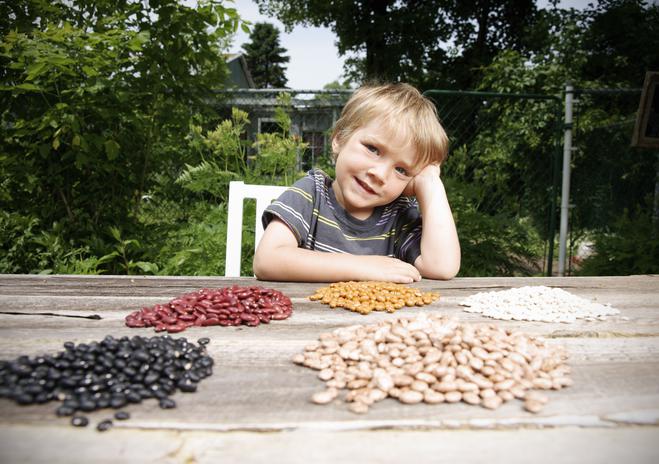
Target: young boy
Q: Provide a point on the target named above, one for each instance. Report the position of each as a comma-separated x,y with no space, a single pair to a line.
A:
366,225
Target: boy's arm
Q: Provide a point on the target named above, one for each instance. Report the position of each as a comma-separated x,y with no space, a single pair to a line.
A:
440,247
279,258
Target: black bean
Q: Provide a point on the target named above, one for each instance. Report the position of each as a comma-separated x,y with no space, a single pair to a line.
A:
24,398
120,363
71,403
204,341
110,373
102,403
82,347
68,382
87,404
141,356
133,396
151,377
33,389
160,394
187,386
79,421
121,415
104,425
80,390
118,401
64,411
167,403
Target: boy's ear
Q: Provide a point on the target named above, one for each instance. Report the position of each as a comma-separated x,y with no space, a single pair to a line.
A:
335,146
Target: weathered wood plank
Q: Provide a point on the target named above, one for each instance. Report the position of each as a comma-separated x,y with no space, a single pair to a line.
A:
547,446
172,286
642,320
256,386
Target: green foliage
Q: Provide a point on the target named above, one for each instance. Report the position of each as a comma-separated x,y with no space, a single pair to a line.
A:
276,162
112,160
17,235
95,97
123,258
496,244
265,57
191,231
223,154
623,42
630,246
30,248
197,246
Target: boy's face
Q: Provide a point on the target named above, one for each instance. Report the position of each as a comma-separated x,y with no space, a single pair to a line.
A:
373,167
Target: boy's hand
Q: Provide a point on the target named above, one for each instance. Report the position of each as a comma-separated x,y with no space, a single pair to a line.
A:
386,269
422,184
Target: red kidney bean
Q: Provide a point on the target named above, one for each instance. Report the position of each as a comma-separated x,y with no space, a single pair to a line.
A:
229,306
210,321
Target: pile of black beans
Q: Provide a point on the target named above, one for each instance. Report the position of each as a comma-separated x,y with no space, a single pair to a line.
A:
111,373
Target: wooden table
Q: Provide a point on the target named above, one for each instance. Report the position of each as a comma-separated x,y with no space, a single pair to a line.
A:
256,408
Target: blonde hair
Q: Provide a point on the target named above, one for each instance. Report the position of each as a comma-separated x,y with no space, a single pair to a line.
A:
401,107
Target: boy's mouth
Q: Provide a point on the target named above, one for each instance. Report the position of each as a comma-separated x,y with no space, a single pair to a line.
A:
365,187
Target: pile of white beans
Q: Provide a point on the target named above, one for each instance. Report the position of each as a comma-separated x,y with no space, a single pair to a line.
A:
434,359
536,303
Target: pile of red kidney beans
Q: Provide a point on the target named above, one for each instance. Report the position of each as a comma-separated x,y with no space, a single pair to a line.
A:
227,306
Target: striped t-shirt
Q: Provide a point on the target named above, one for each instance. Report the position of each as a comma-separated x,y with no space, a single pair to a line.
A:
319,222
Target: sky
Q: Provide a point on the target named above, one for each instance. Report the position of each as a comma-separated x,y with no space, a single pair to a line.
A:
314,59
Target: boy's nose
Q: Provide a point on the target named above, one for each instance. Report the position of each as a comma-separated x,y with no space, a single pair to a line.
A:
378,172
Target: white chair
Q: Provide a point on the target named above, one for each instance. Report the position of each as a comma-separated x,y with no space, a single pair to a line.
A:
238,191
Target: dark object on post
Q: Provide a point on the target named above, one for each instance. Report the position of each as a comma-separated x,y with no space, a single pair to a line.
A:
646,129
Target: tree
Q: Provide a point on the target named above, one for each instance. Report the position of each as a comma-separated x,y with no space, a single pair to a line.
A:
612,184
623,40
94,96
430,43
265,57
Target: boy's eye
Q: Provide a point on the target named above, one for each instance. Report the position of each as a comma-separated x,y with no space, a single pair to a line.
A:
402,171
371,148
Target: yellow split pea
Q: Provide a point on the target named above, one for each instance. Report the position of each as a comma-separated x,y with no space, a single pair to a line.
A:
364,297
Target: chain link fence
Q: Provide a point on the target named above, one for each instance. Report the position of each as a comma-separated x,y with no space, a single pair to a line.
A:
610,178
503,173
502,178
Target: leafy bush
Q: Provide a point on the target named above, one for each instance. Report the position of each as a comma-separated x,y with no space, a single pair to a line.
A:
95,99
631,246
499,244
192,240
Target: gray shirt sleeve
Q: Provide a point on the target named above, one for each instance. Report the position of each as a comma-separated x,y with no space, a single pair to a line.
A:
295,208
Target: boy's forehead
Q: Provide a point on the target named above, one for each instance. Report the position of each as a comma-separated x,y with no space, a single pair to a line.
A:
394,137
386,129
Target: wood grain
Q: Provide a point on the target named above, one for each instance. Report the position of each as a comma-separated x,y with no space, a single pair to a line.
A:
256,391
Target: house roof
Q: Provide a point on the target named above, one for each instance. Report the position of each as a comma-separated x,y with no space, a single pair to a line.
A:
240,74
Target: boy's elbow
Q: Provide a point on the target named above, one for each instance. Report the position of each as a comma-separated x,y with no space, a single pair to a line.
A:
443,272
259,267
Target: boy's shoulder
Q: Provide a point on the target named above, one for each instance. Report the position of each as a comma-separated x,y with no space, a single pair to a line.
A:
315,179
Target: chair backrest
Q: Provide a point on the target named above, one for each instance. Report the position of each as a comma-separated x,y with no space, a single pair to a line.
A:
238,191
